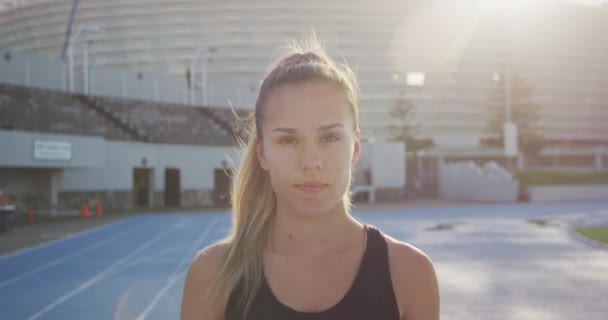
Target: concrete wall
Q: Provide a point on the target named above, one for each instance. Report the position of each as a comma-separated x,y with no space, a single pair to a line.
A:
196,164
567,193
113,183
225,90
24,180
18,150
386,164
468,181
29,69
138,85
29,187
100,169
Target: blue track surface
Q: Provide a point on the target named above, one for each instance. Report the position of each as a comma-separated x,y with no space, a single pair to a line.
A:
135,268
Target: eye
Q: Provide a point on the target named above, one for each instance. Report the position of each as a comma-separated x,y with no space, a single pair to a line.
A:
330,138
287,140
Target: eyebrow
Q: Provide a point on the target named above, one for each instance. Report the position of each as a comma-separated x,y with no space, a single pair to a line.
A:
321,128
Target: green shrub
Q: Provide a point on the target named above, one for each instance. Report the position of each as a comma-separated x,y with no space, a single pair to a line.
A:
556,178
597,234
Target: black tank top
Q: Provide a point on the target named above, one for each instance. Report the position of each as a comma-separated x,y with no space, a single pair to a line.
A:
371,295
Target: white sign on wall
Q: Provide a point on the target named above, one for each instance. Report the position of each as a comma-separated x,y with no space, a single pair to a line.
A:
52,150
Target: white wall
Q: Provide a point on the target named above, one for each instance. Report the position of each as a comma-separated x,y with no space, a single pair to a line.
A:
196,164
456,140
30,69
468,181
17,150
388,165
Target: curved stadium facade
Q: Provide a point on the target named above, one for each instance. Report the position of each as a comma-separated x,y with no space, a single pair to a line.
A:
558,50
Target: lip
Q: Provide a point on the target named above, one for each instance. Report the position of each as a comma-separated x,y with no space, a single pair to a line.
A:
311,187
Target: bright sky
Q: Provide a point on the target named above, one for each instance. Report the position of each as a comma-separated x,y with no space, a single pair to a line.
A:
507,3
595,3
4,4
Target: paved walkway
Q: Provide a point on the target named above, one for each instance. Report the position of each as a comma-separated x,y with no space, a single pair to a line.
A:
510,262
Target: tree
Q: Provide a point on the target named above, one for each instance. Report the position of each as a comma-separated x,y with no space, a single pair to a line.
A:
406,131
523,112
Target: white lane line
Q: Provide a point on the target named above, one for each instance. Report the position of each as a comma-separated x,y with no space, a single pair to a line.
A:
160,295
156,257
145,258
42,245
102,274
58,261
176,274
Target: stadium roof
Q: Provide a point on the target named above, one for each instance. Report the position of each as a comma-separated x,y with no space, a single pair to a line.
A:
11,4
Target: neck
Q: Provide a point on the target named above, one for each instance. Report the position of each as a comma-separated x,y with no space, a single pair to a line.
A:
294,234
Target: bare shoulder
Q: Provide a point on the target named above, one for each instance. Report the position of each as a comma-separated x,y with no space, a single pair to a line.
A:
414,281
407,256
209,259
203,268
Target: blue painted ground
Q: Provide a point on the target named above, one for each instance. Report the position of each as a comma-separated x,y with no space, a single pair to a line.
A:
135,268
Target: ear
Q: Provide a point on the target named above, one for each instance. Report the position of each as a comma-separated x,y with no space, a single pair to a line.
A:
357,148
259,150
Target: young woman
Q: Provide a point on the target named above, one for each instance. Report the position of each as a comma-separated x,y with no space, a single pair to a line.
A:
295,251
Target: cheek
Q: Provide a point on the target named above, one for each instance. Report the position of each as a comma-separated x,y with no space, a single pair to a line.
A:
340,158
339,167
280,165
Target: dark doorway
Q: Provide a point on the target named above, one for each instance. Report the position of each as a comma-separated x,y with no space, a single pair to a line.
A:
141,187
221,187
172,187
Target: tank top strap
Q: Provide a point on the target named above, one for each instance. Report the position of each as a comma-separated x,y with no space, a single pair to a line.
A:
375,277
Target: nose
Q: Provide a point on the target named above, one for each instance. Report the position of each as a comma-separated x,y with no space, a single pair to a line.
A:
311,158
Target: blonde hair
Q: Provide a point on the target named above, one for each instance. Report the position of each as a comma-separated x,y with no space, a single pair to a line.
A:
253,199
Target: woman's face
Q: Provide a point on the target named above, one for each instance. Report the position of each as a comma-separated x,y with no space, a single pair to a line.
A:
308,146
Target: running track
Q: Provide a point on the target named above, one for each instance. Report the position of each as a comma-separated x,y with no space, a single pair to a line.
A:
135,268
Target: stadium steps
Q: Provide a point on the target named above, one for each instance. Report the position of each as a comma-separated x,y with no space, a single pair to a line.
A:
115,118
222,123
229,120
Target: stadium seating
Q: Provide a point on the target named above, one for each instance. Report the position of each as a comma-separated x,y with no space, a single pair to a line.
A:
32,109
41,110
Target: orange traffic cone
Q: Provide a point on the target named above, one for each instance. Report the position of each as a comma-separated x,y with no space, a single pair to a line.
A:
99,209
30,214
84,211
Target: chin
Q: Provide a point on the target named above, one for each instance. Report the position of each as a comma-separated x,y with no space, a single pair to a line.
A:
314,209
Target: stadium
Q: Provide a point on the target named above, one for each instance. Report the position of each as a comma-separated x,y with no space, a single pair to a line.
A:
484,145
169,75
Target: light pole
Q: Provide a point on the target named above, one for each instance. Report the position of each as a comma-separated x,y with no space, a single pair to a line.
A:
71,58
91,34
510,146
202,55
